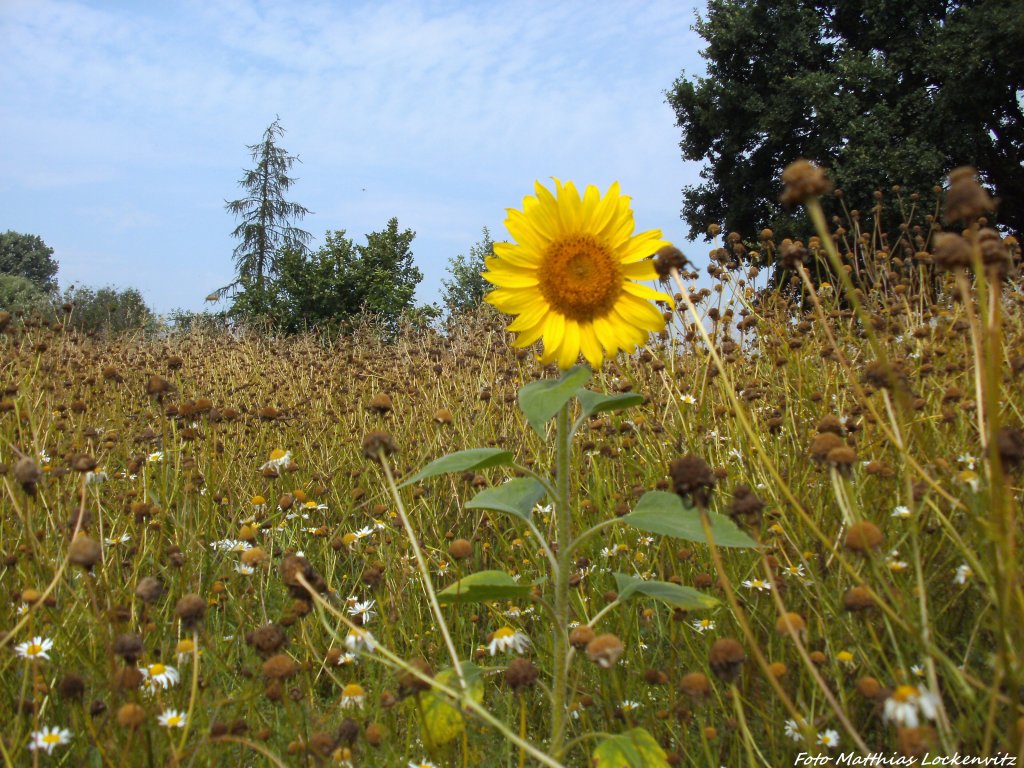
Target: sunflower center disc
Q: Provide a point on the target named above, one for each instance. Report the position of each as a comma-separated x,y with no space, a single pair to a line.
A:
580,278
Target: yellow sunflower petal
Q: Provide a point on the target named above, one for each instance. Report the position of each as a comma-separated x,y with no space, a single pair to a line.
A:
642,246
590,346
639,313
554,330
569,350
645,292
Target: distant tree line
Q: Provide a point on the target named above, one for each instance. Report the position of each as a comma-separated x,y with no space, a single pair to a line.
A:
28,287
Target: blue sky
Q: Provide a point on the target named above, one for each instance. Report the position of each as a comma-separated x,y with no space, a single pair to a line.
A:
124,124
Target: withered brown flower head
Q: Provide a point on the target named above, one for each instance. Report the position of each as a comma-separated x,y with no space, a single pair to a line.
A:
966,199
667,258
378,442
692,478
802,180
726,658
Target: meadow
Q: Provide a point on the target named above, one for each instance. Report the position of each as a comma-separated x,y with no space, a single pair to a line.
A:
205,559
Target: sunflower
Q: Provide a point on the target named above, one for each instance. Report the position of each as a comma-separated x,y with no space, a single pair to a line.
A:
569,276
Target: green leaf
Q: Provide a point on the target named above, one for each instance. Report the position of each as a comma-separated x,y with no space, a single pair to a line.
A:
483,586
516,497
632,749
540,400
664,513
675,595
595,402
460,461
442,720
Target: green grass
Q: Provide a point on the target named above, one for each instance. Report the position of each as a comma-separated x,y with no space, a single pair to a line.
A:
753,421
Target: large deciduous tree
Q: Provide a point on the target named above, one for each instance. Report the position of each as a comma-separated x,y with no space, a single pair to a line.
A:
267,227
29,257
882,92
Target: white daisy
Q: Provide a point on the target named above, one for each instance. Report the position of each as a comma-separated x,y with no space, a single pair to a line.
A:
48,738
36,648
703,625
360,640
907,703
172,718
901,512
278,460
758,584
963,573
160,675
364,610
507,640
829,738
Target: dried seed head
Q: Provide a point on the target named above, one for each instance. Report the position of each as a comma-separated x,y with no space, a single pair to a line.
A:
280,667
521,673
409,683
790,622
460,549
149,589
267,639
131,715
823,443
858,599
802,180
966,199
693,478
84,552
71,687
580,636
28,474
190,610
667,258
726,657
870,688
696,685
863,536
376,443
746,507
83,462
128,647
381,404
605,650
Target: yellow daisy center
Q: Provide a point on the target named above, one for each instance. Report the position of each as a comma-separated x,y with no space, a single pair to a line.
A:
503,633
580,277
157,669
34,649
353,691
174,720
51,738
905,693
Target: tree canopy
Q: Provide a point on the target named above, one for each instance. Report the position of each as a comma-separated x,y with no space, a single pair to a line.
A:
333,286
29,257
878,91
467,287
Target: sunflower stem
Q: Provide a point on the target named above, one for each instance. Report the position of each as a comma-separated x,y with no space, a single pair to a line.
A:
560,636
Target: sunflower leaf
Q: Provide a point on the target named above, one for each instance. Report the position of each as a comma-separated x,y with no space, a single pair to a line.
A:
516,497
665,514
481,587
442,720
676,595
635,748
540,400
461,461
595,402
